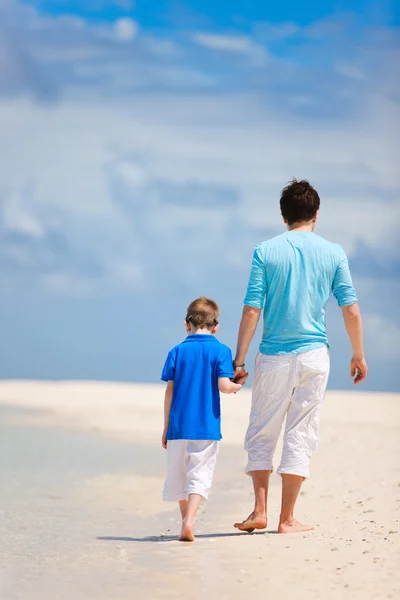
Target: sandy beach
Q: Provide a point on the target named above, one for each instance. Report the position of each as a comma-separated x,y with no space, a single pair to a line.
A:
81,470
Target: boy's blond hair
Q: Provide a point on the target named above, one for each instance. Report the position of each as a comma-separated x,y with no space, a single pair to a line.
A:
203,313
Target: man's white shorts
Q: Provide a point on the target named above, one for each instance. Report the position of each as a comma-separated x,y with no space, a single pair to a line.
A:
291,386
191,465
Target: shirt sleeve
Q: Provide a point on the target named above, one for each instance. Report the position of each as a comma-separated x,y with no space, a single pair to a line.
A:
257,286
168,372
342,287
225,363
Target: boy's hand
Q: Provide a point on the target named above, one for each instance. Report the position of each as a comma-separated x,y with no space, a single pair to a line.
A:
164,439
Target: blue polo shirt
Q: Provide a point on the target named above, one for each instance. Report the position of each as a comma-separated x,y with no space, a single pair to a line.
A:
195,366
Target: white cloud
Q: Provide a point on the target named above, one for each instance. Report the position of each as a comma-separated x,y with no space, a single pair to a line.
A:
235,44
131,173
239,44
126,29
351,71
67,285
18,216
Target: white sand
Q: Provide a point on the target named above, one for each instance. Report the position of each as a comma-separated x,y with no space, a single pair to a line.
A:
353,497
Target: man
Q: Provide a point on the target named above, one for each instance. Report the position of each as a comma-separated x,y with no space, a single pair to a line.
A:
291,279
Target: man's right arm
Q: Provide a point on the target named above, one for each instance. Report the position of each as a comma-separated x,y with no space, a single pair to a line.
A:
254,303
353,323
248,326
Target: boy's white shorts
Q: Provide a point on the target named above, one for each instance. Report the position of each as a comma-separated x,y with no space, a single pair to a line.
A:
291,386
191,465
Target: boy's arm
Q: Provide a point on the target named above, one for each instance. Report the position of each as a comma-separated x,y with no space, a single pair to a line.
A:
167,409
353,323
226,386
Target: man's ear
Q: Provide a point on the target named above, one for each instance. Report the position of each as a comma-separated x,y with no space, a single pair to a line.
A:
215,328
187,325
316,216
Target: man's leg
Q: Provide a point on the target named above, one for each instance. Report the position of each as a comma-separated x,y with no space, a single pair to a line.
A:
301,433
272,391
258,518
291,485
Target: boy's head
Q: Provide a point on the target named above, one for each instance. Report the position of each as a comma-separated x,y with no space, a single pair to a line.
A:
299,203
202,314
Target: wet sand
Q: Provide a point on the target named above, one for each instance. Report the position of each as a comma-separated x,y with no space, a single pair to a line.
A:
81,516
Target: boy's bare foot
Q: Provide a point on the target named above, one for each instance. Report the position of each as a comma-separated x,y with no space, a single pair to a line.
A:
293,526
252,522
187,534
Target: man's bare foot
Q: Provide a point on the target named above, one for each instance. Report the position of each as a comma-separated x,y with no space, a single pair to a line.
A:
293,526
252,522
187,534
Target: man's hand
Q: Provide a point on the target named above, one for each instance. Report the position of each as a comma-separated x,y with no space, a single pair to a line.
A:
164,439
240,376
358,369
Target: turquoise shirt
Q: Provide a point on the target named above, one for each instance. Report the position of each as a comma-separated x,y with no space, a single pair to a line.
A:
292,277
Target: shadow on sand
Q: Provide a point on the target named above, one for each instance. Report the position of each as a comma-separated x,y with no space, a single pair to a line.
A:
173,538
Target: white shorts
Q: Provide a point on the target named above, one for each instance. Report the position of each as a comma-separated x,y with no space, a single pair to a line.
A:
191,465
291,386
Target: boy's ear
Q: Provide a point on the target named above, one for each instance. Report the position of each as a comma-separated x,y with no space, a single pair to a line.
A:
187,325
215,328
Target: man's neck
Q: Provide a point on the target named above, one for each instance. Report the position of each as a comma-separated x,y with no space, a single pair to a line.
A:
305,226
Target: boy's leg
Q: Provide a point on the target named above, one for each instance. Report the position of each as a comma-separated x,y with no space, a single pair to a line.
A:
187,532
272,391
201,464
301,433
175,487
183,505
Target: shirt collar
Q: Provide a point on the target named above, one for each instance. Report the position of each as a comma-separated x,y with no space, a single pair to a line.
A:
201,337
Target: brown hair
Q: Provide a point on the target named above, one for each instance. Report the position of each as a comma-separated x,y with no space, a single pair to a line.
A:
203,313
299,202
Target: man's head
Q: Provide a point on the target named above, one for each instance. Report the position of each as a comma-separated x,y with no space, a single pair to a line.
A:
202,314
299,203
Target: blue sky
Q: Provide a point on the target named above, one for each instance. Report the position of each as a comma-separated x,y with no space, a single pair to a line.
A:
143,149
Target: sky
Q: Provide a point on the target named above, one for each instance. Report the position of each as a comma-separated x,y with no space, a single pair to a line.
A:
143,149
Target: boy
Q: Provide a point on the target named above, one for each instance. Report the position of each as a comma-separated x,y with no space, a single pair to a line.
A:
195,371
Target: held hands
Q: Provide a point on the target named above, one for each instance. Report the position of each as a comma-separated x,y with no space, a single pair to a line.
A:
358,369
240,376
164,439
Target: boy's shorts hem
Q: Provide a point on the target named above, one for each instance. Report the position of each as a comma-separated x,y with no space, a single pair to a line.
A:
174,497
185,496
200,491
